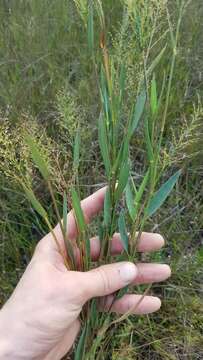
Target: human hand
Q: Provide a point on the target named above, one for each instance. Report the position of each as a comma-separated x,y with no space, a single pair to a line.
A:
41,318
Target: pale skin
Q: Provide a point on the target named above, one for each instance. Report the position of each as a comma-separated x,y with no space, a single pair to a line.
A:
41,318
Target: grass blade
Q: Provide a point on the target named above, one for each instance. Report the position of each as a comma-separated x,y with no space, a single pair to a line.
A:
123,179
104,146
122,79
148,141
122,292
153,97
161,195
81,227
90,28
155,62
107,208
65,213
129,196
78,211
68,245
94,314
79,354
35,203
140,191
138,111
100,13
123,230
37,157
76,151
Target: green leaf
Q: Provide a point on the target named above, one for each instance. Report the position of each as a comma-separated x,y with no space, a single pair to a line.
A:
130,201
37,157
104,146
122,156
107,208
76,152
90,27
148,140
80,350
123,230
68,245
155,62
153,98
65,213
161,195
35,203
122,79
138,29
94,314
138,111
78,211
106,107
100,13
124,152
122,292
140,191
101,232
122,180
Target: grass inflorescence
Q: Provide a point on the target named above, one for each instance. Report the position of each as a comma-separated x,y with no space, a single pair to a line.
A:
126,77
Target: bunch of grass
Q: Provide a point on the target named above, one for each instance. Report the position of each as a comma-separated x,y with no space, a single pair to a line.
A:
127,204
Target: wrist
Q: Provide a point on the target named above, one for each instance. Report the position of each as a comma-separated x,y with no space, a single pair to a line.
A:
6,351
9,336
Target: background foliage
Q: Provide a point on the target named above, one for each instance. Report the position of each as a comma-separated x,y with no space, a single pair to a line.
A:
48,86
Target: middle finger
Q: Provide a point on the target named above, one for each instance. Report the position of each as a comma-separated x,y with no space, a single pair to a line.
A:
148,242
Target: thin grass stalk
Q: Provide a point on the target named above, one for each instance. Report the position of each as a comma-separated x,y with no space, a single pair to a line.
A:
58,245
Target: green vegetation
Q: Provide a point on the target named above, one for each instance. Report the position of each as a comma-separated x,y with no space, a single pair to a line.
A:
61,62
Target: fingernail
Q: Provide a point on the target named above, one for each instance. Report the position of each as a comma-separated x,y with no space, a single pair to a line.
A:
128,272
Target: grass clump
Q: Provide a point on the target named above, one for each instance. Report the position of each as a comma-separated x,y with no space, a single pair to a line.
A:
93,342
120,74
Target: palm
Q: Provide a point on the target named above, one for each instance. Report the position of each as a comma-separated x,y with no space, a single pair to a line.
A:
49,298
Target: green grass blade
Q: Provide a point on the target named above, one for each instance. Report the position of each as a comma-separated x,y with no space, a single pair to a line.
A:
141,188
65,213
123,179
78,211
148,140
81,225
80,350
90,28
37,157
100,13
68,245
123,231
153,97
161,195
138,111
107,208
35,203
122,292
106,107
156,61
130,201
94,314
122,79
76,151
104,146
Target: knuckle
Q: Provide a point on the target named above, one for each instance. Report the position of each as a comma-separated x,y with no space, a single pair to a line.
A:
105,281
40,247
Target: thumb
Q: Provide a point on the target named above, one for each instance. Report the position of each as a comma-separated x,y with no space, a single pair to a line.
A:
107,279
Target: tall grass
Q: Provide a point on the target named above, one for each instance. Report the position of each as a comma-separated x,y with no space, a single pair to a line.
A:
115,134
129,62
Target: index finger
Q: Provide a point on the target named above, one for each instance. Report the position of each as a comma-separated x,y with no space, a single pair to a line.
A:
91,206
